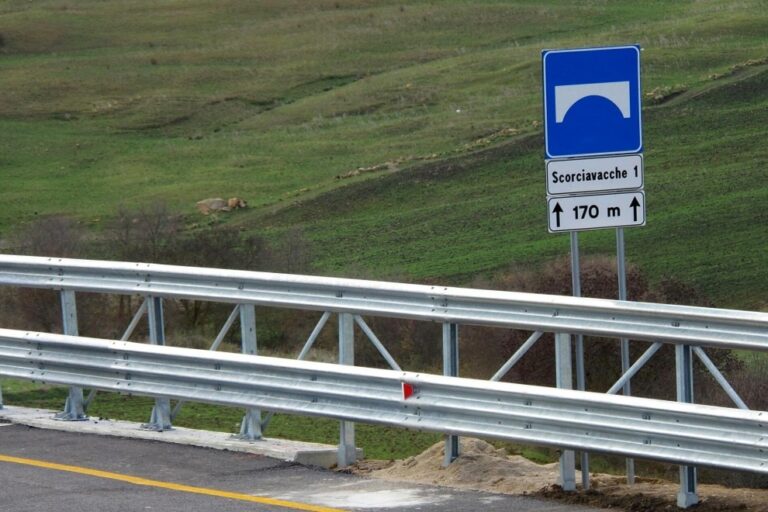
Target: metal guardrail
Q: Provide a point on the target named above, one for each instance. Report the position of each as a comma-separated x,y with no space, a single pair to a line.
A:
576,315
690,329
637,427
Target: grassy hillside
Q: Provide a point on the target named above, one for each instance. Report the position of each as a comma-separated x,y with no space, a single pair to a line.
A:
109,102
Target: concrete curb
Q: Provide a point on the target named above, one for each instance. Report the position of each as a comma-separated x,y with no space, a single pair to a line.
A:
310,454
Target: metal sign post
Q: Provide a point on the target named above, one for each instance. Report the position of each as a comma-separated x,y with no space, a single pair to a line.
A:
621,271
594,164
581,382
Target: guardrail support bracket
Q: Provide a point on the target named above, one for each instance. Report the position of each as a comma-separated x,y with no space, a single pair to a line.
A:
160,419
687,495
74,407
564,376
451,369
250,427
347,452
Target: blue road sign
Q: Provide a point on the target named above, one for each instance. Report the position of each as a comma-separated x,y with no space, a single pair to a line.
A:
592,101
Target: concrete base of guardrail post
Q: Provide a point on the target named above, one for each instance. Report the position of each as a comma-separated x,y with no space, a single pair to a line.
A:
347,452
451,369
687,495
564,377
160,419
250,426
73,407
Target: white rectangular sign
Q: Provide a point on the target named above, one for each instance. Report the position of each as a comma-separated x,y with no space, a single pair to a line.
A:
585,175
578,213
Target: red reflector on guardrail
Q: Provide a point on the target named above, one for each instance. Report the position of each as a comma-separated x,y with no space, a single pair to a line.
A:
408,390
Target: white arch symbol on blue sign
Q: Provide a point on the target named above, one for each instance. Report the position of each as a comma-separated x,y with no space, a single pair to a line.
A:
592,101
567,95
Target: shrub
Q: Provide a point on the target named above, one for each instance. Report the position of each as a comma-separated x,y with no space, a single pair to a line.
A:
28,308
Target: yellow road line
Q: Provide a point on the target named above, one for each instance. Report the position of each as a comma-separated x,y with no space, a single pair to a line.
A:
167,485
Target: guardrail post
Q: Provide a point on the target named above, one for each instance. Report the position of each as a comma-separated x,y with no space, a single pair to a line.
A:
74,407
564,377
160,419
250,428
347,452
451,369
687,495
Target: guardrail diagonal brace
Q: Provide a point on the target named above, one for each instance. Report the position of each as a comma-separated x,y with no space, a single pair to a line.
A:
302,355
135,320
519,353
214,346
126,335
641,361
720,378
74,407
226,327
377,343
313,336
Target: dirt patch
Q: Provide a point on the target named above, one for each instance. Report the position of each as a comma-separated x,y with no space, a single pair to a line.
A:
484,468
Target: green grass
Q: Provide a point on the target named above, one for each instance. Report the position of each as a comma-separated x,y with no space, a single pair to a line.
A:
107,103
469,215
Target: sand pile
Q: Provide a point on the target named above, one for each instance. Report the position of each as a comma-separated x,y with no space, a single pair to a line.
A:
482,467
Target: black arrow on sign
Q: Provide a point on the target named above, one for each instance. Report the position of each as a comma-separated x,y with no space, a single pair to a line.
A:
557,211
635,204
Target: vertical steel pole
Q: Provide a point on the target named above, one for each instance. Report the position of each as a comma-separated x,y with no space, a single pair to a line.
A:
581,383
564,377
451,369
250,428
684,370
160,419
621,271
347,453
74,408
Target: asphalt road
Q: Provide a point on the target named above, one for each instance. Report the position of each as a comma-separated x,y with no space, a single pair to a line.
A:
42,470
